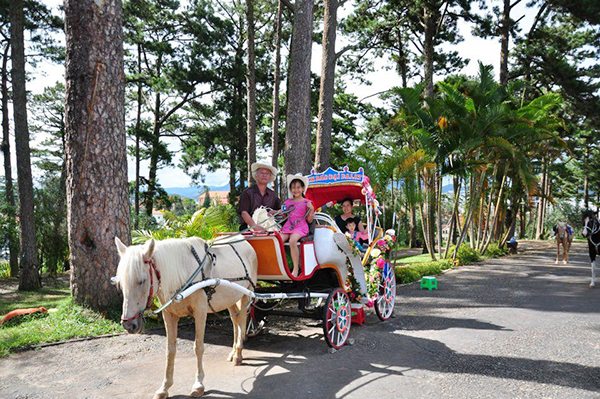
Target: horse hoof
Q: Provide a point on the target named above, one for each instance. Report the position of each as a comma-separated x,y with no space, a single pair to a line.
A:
556,262
592,284
565,262
197,391
161,395
237,361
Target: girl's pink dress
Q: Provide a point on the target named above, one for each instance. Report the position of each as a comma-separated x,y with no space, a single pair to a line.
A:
296,222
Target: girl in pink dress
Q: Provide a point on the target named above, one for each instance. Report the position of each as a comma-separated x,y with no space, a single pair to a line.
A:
299,217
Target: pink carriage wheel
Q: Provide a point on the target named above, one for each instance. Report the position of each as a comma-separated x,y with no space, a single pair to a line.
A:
386,296
337,318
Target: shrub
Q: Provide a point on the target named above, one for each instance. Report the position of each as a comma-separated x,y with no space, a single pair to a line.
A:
410,273
465,255
4,269
494,251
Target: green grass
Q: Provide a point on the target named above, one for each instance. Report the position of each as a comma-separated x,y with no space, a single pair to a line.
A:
51,295
64,320
413,272
415,259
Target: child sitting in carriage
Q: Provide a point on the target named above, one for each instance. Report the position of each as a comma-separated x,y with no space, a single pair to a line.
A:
360,237
301,212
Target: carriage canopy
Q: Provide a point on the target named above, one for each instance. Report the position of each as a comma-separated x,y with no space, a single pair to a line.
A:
335,185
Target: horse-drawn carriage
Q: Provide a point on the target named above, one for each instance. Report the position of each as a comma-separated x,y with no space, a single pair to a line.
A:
332,269
248,274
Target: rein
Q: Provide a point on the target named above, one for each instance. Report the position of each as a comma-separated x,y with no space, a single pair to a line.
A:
151,268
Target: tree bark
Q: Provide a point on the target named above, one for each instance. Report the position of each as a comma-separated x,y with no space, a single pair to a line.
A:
251,88
428,49
327,89
12,237
276,82
29,278
138,127
97,189
504,39
298,130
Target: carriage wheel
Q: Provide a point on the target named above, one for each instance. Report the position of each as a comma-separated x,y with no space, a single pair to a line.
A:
384,304
255,322
336,318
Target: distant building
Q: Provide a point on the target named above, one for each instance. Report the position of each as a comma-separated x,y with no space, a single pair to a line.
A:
158,216
218,197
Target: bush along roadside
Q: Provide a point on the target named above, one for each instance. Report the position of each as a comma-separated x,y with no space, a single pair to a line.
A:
466,255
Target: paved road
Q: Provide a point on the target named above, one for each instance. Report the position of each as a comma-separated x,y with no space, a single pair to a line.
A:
516,327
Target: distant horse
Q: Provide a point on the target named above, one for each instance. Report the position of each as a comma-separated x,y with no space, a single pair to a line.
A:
564,236
591,230
161,268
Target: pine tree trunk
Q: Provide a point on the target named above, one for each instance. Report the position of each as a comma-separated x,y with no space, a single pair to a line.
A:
97,189
276,83
428,49
155,143
504,39
11,227
298,130
29,278
327,89
138,127
251,88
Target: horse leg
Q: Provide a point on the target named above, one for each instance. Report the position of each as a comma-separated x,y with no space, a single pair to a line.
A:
200,326
239,317
171,328
593,282
557,251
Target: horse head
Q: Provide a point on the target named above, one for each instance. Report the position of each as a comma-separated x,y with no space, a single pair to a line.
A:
561,230
590,224
138,279
262,217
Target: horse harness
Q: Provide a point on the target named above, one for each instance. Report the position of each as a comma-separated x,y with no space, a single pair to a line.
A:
211,289
152,270
595,229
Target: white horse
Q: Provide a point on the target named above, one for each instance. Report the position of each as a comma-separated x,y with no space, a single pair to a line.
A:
162,268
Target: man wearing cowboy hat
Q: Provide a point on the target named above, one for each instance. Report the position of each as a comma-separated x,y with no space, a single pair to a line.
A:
258,195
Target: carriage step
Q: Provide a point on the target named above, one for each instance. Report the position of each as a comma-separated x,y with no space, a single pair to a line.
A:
358,314
429,283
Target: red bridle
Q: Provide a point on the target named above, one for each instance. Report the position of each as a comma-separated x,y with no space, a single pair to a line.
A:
151,268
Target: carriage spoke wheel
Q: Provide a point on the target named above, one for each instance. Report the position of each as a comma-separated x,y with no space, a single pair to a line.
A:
255,322
386,297
336,318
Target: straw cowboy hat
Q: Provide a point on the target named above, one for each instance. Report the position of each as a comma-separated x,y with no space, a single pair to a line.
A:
298,176
258,165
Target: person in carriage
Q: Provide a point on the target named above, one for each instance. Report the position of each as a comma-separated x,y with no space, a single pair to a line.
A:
301,213
258,195
347,216
360,238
